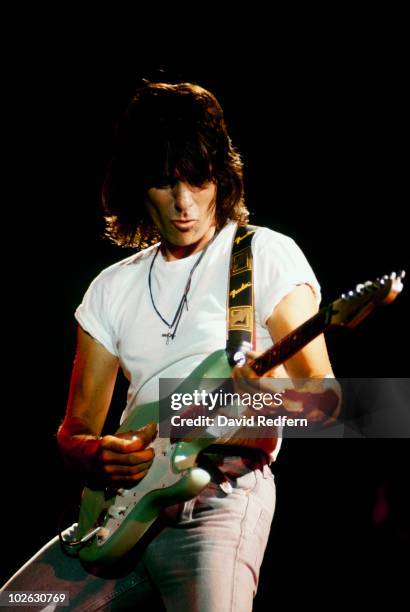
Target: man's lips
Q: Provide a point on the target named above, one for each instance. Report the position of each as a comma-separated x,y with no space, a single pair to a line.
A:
184,224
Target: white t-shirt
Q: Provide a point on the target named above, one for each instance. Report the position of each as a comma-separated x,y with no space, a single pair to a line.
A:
117,309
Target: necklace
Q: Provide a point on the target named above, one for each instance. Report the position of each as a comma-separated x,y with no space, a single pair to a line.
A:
173,326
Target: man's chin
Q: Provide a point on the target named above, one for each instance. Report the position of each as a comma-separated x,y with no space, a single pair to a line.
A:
184,237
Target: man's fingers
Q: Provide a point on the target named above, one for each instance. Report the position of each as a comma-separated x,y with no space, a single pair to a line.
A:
148,432
244,371
127,470
128,458
130,441
118,445
253,354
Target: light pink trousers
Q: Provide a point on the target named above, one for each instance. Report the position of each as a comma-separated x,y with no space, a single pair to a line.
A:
206,558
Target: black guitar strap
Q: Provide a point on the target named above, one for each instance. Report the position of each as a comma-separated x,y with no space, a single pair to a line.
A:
240,310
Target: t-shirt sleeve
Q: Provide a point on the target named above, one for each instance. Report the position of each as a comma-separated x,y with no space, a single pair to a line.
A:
279,266
93,314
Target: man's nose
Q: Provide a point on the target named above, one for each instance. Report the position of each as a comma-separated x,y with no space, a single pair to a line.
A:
182,196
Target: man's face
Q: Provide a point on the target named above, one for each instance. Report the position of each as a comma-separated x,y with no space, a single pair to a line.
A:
184,214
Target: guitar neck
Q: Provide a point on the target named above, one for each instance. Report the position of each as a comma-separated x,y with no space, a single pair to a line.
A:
293,342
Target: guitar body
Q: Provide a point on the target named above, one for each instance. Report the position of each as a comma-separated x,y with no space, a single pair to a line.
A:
173,477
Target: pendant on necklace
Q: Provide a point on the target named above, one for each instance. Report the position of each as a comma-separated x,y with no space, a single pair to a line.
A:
168,335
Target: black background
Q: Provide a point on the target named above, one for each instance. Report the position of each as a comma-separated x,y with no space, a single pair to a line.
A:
319,115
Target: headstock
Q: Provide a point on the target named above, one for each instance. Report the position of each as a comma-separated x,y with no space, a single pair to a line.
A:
354,306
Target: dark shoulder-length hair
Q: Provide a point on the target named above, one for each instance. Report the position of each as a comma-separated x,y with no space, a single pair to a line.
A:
169,132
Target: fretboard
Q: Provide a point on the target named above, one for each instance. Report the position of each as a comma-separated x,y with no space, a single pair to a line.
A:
293,342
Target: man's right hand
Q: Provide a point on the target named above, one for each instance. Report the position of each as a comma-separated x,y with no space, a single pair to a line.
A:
125,458
119,460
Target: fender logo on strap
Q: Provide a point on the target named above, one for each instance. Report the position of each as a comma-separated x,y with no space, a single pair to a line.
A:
240,238
235,292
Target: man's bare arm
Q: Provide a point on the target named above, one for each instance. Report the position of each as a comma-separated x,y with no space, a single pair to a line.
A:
110,459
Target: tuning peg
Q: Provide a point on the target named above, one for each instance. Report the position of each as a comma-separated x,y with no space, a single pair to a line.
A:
359,288
402,274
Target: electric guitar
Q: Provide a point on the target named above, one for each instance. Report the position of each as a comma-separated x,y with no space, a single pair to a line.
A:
112,522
